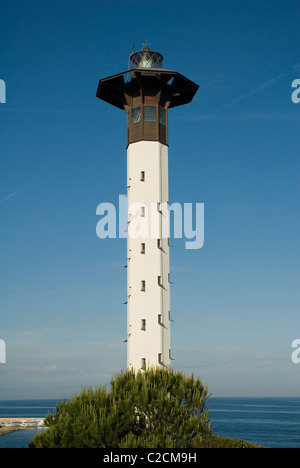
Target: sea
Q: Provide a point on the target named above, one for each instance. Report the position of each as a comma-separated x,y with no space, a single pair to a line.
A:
272,422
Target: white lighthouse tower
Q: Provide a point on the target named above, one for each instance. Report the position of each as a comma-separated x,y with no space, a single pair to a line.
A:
146,91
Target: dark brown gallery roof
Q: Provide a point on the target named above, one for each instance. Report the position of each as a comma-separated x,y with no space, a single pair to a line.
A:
174,87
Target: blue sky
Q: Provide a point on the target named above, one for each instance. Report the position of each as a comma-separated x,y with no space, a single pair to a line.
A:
235,148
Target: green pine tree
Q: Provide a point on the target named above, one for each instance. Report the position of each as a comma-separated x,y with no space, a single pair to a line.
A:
158,408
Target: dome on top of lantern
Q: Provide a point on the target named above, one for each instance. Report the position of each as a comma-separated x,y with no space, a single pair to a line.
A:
146,58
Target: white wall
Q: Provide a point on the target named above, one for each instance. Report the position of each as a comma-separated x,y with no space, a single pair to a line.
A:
152,158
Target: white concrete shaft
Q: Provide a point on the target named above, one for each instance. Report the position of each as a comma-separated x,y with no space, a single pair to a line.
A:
148,312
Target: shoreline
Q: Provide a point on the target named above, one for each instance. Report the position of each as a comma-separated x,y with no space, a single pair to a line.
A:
8,425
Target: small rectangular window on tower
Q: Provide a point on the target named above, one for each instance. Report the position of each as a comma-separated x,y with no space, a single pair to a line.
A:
159,319
143,285
149,113
143,248
159,281
159,358
142,212
143,324
159,243
142,176
143,363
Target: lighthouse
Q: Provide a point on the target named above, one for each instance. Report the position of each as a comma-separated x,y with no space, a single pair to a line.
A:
146,91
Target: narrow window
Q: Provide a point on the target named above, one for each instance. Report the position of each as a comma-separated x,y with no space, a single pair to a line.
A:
159,280
143,248
159,319
135,115
162,116
159,358
143,285
169,280
142,176
158,207
142,212
143,363
143,324
159,243
149,113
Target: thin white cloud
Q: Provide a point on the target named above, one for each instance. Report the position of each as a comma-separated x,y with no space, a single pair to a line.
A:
219,116
10,195
48,110
178,268
262,86
35,370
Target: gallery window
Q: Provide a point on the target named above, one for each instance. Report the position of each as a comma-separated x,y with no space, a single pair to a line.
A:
162,116
149,113
135,115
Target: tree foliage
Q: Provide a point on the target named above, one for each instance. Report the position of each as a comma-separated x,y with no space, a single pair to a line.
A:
158,408
212,441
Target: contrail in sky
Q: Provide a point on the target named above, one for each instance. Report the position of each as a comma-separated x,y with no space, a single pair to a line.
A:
10,195
267,84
